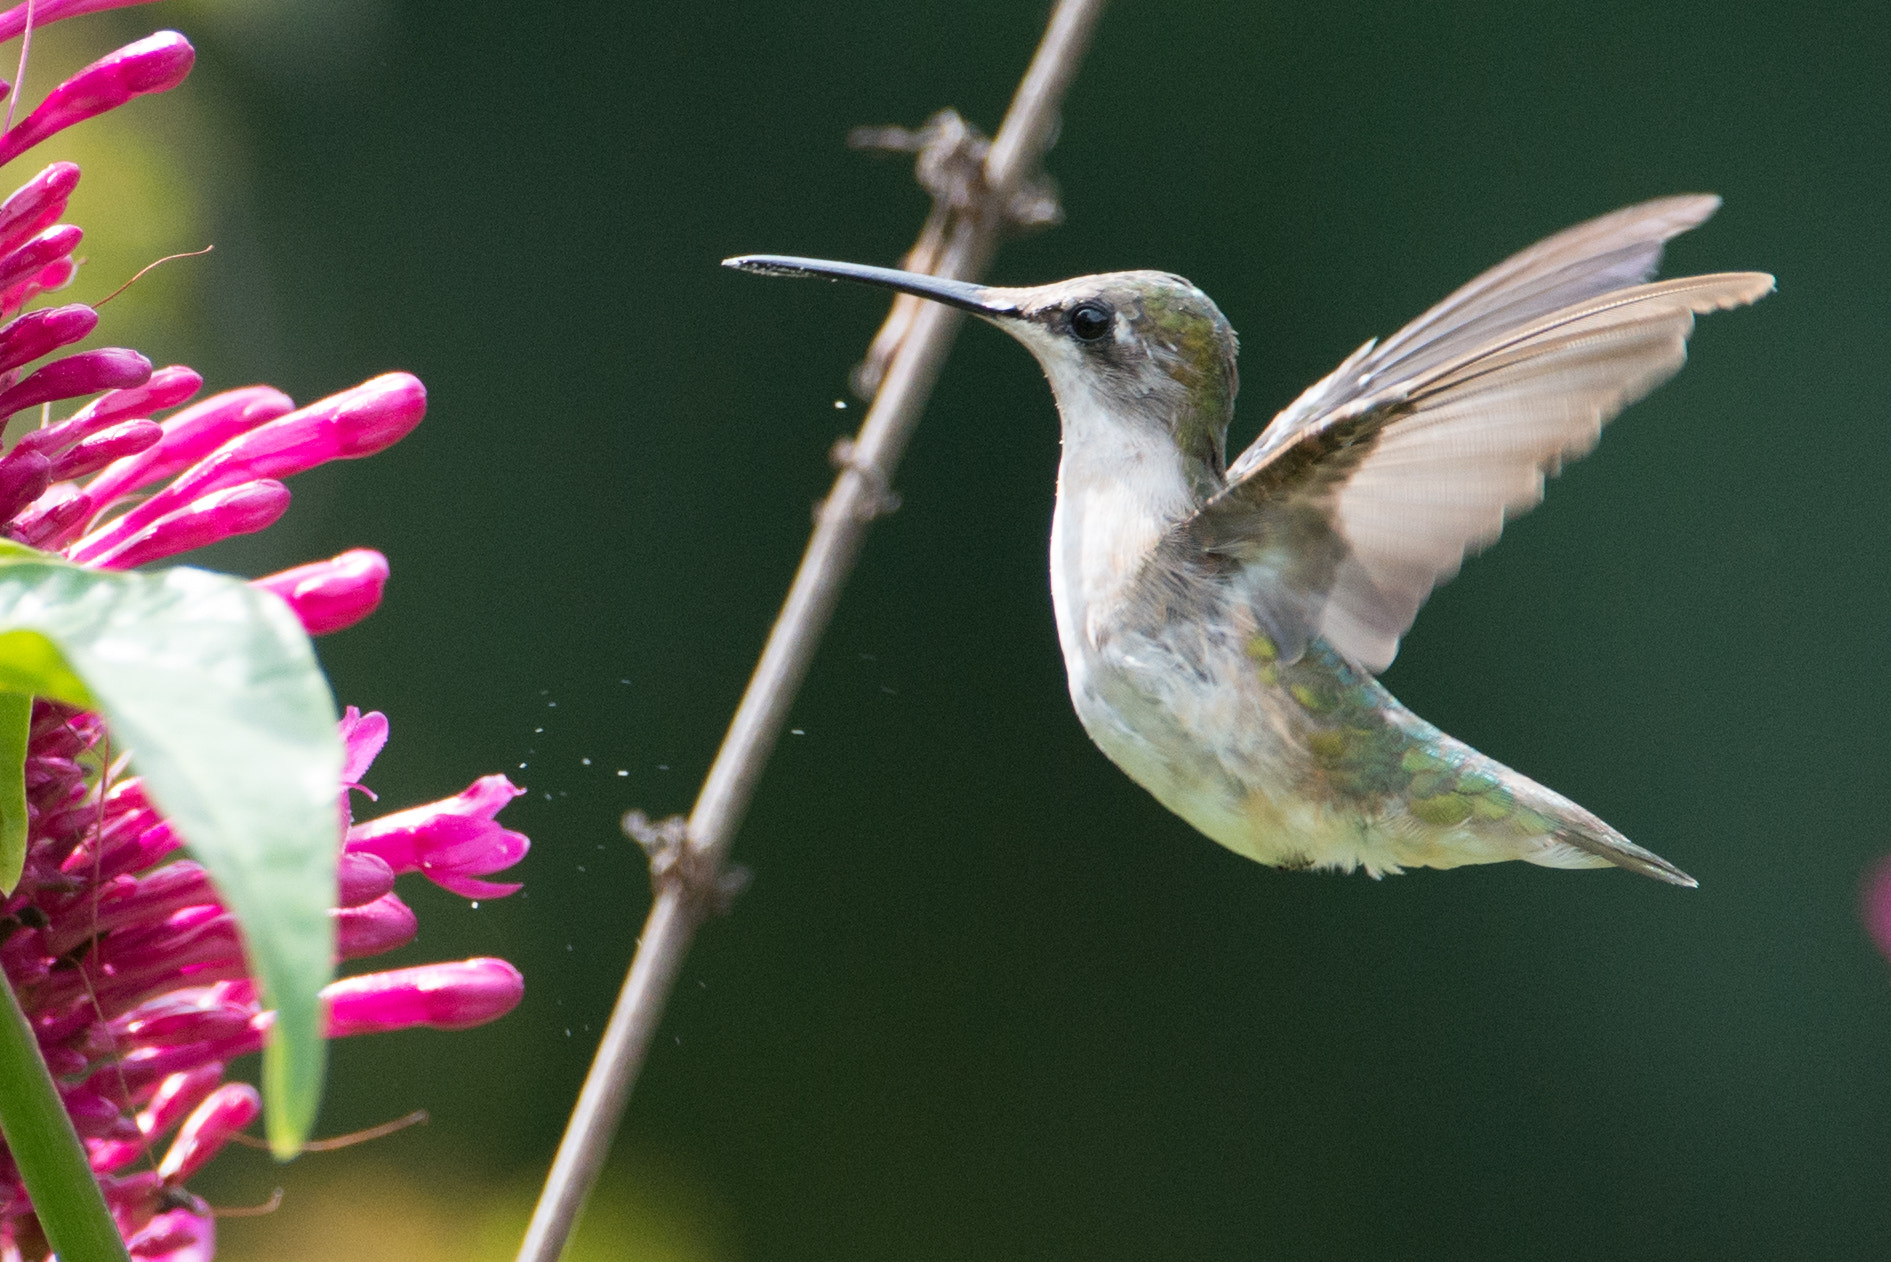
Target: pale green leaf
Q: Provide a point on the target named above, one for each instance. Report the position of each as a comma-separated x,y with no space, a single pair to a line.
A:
214,690
16,723
33,665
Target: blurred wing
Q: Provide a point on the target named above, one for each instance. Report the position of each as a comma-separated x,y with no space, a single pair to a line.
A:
1344,522
1597,257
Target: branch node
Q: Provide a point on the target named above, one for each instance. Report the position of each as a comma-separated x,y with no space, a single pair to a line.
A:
879,499
691,870
949,164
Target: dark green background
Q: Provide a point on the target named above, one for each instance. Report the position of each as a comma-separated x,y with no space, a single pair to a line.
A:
985,998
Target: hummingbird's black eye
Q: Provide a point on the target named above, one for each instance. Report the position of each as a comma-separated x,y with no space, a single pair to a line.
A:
1089,321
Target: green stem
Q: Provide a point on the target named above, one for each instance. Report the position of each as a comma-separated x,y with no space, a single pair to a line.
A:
52,1162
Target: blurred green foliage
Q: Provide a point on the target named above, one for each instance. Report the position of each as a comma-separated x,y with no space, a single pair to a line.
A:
380,1210
985,998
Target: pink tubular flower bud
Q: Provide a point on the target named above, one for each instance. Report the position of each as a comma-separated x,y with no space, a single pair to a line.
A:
450,842
88,372
40,333
46,12
176,1235
105,846
329,595
55,515
239,510
190,435
196,1015
362,736
143,1068
38,253
37,204
56,275
125,899
127,438
96,1117
155,63
177,1095
198,943
454,996
23,478
62,734
48,771
361,878
98,841
377,414
223,1113
128,849
167,388
357,422
372,928
107,1155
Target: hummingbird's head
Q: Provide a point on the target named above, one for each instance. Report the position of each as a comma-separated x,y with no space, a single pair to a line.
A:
1146,350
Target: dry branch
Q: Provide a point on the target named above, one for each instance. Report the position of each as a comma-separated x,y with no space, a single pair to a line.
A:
688,858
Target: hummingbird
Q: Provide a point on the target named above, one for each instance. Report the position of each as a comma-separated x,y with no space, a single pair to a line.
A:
1223,625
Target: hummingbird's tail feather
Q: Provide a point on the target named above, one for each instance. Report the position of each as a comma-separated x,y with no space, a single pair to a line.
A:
1573,837
1624,853
1371,784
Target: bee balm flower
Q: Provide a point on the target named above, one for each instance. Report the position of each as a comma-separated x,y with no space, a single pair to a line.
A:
128,966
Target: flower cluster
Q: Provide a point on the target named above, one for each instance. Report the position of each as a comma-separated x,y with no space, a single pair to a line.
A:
132,972
126,962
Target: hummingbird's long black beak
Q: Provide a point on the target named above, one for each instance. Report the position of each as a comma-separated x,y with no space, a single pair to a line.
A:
964,295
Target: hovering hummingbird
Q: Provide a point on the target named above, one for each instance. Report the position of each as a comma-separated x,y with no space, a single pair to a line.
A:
1222,625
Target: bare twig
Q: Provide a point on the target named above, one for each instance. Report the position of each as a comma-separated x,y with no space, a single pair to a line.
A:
950,164
688,859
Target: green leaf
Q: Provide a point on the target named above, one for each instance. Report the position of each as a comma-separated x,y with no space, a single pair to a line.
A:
16,724
213,688
32,664
46,1148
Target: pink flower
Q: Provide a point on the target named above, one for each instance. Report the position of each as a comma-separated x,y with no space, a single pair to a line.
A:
133,976
333,594
156,63
449,842
438,996
354,423
1876,905
127,964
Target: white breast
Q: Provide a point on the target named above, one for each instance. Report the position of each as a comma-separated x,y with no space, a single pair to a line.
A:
1117,492
1120,486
